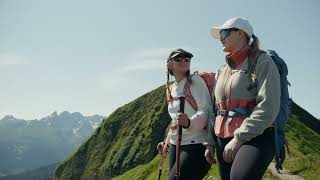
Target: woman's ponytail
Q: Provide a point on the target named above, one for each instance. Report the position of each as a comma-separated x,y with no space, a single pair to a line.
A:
255,51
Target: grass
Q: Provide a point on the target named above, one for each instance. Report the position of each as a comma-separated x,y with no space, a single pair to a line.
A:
126,139
303,160
304,145
149,171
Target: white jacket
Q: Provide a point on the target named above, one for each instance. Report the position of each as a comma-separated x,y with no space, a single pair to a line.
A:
196,133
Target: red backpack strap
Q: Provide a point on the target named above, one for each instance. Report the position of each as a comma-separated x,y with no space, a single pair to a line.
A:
188,96
209,79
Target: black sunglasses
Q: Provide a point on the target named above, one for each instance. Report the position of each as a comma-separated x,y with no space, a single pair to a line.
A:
226,32
179,59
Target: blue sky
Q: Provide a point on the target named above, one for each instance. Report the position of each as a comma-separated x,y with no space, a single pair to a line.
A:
94,56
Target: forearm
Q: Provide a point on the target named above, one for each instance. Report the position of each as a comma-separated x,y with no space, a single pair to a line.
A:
198,121
210,136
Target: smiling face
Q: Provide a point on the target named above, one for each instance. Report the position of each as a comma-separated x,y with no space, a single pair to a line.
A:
180,65
231,39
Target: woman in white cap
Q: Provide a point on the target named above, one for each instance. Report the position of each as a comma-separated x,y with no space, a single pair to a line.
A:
193,164
247,98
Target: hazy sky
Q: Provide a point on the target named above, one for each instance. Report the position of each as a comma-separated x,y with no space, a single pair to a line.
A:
94,56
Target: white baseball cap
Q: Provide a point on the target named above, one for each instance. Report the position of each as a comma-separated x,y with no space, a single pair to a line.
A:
236,22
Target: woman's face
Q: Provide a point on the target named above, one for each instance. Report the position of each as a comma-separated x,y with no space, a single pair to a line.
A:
230,39
181,66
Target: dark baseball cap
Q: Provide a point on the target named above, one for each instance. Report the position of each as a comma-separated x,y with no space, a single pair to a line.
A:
179,53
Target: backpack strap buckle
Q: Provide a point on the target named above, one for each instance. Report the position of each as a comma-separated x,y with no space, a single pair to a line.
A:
222,112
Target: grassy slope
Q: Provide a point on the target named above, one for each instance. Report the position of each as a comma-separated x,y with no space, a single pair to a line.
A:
304,145
303,160
120,143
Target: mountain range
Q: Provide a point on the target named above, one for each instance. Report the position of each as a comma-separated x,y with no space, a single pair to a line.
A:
30,144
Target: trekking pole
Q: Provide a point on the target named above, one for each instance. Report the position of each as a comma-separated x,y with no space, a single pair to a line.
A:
277,148
178,139
163,156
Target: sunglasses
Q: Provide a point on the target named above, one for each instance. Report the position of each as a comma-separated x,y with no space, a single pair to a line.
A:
226,32
179,59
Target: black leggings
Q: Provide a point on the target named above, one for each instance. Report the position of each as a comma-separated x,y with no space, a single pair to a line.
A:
193,164
252,159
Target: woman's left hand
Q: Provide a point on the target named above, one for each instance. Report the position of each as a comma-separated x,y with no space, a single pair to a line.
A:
183,119
231,149
209,154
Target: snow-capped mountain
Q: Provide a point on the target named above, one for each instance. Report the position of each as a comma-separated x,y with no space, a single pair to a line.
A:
29,144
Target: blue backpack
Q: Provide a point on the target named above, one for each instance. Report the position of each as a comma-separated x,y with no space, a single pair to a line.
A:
283,115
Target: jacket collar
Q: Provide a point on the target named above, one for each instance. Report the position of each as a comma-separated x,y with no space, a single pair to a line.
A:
235,60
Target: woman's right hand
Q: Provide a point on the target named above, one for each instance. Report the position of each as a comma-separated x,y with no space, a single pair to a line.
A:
160,147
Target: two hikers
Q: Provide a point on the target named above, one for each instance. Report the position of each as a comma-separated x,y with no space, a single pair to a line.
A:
247,101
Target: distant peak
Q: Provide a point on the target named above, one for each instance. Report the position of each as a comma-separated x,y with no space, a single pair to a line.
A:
54,114
77,113
9,117
64,113
96,116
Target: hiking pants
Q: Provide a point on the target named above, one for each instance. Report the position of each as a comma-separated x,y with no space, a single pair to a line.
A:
193,164
252,159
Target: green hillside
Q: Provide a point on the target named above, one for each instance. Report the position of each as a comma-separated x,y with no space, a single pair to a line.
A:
303,160
304,145
124,145
125,139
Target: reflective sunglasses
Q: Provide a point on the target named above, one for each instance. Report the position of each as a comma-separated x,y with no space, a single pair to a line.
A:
226,32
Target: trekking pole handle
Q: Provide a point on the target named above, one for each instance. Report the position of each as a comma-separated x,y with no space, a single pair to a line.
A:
182,111
181,104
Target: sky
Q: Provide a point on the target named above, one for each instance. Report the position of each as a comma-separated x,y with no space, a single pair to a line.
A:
95,56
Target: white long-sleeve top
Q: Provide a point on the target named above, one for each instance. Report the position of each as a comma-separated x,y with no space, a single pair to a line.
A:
196,132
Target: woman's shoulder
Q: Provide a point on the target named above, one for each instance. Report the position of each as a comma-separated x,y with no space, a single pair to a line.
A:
199,87
220,70
197,81
264,58
265,61
196,78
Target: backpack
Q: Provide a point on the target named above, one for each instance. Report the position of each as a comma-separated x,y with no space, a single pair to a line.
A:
209,79
282,118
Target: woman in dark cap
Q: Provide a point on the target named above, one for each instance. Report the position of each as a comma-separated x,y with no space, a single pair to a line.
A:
193,163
